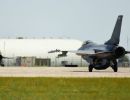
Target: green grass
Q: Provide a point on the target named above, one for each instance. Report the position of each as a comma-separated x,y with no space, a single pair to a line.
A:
64,88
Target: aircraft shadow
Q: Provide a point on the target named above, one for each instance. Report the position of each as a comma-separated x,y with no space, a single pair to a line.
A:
97,71
79,71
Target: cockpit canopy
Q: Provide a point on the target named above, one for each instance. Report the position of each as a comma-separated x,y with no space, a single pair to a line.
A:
87,42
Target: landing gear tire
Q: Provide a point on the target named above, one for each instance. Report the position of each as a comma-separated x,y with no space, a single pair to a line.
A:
90,68
114,67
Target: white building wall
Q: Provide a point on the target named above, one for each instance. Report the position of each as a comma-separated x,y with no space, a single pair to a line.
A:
39,48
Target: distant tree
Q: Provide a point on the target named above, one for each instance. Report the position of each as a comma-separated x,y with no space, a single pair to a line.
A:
124,59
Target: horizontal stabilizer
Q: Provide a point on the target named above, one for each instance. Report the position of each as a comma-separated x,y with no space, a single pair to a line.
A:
127,52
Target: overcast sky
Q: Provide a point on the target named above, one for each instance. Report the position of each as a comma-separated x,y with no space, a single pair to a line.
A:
78,19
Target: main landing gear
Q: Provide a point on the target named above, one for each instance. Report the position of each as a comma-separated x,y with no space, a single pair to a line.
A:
114,66
90,68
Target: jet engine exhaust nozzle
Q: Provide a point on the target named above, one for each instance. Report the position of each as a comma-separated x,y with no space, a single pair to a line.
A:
119,52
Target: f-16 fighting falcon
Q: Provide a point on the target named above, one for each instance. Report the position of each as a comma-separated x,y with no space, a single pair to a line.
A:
104,55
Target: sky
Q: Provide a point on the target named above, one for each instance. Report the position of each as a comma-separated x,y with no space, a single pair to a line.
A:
77,19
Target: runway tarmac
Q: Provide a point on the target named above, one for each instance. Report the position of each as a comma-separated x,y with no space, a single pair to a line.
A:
61,72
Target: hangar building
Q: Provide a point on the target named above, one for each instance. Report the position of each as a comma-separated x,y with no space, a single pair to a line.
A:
34,52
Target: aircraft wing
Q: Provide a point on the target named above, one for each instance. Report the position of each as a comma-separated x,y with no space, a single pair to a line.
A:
92,53
82,53
62,54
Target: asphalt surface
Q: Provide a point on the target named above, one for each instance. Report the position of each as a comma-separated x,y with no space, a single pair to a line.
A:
61,72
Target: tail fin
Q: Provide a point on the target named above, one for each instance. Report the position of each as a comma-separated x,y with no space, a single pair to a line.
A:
115,38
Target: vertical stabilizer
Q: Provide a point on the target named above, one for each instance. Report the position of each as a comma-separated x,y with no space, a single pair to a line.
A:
115,38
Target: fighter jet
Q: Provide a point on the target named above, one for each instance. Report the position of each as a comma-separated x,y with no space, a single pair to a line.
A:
1,59
101,56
